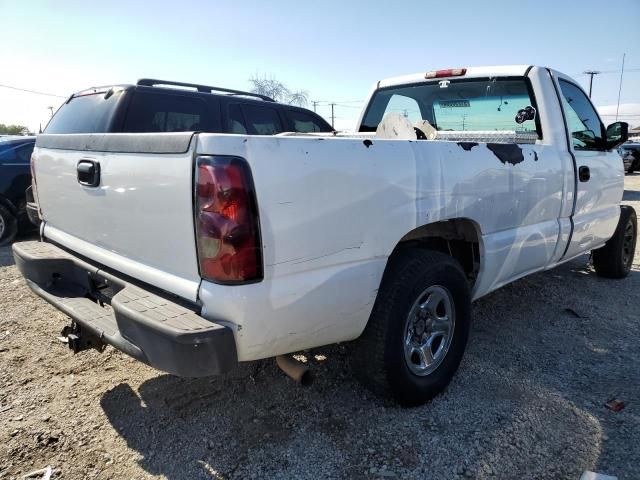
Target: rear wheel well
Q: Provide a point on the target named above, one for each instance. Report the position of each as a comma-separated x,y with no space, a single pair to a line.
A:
458,238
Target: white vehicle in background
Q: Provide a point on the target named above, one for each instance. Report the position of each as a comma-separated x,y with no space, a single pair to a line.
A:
193,251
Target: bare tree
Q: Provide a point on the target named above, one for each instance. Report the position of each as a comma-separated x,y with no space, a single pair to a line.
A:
299,98
271,87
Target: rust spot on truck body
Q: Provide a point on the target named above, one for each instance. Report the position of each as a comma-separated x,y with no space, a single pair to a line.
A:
507,152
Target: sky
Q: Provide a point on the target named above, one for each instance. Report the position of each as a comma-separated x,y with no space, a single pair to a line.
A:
336,50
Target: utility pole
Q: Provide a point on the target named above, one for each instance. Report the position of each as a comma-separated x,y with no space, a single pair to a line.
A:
464,118
620,88
51,109
332,116
315,104
591,73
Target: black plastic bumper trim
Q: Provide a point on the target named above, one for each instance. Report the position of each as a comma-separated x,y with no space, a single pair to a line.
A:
142,324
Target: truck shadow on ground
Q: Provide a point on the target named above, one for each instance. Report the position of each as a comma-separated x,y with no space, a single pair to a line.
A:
6,254
540,363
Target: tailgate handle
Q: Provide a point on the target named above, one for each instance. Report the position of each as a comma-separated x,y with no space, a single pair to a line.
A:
89,173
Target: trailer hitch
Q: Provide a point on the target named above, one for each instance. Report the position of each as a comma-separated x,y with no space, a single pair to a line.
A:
79,340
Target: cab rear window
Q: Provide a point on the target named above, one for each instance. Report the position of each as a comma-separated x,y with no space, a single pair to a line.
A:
85,114
478,104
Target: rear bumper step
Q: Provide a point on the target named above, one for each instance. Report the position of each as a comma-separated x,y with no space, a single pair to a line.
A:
146,326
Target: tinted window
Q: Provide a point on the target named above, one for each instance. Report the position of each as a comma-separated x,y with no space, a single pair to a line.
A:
262,120
582,120
85,114
462,105
235,120
160,112
305,122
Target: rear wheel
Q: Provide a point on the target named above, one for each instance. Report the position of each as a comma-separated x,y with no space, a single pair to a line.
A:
614,260
418,329
8,226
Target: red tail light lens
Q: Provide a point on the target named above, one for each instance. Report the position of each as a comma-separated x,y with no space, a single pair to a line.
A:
227,224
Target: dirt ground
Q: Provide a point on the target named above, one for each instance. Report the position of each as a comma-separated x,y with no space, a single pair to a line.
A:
545,355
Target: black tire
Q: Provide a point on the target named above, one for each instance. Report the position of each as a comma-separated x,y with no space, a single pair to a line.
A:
615,258
8,226
379,354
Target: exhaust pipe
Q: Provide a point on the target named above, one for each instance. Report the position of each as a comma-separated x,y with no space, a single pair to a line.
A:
298,371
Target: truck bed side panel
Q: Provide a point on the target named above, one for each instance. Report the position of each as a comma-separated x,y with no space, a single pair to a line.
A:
333,209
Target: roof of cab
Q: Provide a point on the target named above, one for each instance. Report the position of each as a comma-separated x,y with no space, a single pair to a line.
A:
244,97
472,72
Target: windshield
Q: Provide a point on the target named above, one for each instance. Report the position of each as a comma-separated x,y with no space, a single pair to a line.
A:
495,104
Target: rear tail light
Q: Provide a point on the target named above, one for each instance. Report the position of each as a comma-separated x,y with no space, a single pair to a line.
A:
450,72
227,225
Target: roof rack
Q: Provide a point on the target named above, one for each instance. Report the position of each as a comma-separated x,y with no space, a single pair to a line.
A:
151,82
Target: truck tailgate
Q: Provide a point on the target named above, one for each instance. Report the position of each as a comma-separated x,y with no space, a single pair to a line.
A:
138,219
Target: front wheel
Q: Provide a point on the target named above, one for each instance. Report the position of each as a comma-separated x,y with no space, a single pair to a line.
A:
614,260
418,329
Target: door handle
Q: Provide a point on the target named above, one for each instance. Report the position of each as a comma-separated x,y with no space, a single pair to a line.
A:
88,173
584,174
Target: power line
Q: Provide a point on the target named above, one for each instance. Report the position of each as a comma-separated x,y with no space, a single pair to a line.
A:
31,91
626,70
347,106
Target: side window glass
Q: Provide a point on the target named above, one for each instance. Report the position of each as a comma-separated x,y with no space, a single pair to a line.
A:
305,123
583,122
235,120
262,120
160,112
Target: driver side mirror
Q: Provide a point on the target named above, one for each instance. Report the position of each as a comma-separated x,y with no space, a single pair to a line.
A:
617,133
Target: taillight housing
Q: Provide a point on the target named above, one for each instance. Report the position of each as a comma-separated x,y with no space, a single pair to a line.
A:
34,186
226,221
449,72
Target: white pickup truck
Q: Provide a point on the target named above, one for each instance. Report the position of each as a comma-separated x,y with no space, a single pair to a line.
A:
192,251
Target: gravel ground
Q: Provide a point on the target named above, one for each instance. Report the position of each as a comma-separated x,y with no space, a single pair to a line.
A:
545,355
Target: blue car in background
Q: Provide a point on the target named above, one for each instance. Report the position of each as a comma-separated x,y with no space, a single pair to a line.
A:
15,178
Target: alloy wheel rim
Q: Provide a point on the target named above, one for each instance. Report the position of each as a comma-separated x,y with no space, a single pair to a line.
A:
429,330
627,244
1,226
